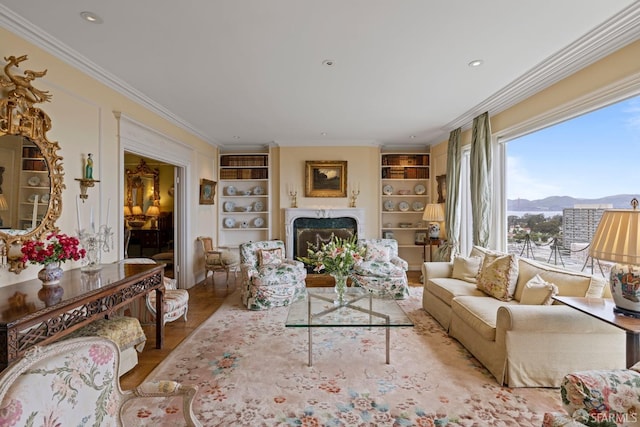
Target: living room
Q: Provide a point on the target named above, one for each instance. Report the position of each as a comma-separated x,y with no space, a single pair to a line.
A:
89,115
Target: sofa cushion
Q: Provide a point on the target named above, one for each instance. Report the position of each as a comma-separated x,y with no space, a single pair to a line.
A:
466,269
378,253
498,276
538,292
480,313
269,257
447,288
569,283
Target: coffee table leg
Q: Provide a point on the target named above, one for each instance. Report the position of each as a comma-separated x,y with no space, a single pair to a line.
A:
387,339
633,348
310,348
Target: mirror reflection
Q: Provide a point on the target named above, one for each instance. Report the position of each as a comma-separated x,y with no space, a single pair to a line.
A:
25,186
143,194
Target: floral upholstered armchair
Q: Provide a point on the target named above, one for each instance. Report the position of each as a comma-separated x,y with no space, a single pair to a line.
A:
382,271
268,279
75,383
604,398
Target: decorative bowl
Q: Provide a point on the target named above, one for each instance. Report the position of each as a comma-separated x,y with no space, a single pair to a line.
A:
136,223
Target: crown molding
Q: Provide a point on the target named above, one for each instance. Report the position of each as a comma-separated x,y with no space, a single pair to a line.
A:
38,37
613,34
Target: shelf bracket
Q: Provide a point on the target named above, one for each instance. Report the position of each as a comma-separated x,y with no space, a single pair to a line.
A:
84,184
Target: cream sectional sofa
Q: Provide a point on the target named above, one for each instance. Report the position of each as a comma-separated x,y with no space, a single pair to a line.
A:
524,345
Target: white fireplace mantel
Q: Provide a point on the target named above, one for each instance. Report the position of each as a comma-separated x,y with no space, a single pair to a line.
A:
291,214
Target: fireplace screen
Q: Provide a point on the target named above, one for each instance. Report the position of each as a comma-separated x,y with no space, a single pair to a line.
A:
316,231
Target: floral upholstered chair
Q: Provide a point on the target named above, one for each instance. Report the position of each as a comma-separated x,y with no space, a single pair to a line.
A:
382,271
176,301
599,398
268,279
74,382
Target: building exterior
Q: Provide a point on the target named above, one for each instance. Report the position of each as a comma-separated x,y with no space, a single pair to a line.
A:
580,222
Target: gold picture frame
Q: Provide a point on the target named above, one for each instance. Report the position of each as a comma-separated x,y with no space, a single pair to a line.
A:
207,192
325,178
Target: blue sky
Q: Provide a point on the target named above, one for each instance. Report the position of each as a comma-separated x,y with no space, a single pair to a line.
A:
594,155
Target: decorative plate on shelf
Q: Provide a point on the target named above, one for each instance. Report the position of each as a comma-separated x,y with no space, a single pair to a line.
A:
34,181
244,224
230,190
387,189
419,189
258,191
229,222
45,198
229,206
388,205
258,206
32,198
403,206
418,206
258,222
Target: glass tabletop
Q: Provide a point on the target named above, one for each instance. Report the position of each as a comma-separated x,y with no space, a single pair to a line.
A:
359,308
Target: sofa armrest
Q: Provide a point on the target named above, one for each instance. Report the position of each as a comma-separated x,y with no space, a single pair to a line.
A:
400,263
549,319
431,270
294,262
248,271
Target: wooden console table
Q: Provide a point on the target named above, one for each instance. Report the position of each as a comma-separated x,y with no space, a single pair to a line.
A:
28,317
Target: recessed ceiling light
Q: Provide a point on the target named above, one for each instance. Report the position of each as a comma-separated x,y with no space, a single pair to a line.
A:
476,63
412,136
323,133
328,62
236,137
91,17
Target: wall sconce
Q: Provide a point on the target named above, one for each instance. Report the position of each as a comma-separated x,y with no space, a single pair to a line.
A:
87,180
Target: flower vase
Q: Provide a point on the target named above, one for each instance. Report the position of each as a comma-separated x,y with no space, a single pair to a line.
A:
341,285
50,274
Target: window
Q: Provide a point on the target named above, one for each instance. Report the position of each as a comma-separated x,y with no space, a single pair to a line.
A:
560,179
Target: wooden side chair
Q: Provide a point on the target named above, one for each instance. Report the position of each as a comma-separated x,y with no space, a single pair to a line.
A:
217,259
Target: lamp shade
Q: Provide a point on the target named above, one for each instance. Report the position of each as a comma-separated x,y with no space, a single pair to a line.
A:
153,211
136,210
127,211
617,237
433,212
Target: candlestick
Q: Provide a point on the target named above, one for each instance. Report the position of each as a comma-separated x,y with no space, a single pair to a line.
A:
34,218
78,213
294,198
354,197
108,209
91,223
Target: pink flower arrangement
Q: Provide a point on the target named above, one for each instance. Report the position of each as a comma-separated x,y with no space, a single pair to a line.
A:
55,248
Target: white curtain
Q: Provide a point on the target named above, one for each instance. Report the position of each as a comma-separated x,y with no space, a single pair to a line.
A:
481,188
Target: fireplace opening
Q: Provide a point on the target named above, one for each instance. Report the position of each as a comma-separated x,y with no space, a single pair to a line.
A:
316,231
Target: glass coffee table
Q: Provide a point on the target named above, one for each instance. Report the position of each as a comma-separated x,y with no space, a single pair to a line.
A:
318,309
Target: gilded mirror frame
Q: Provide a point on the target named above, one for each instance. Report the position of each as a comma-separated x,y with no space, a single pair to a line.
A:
20,117
142,171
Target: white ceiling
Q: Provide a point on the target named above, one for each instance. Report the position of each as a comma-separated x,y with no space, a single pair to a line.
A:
251,71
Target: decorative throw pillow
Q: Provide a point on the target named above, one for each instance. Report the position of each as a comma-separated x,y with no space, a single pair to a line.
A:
538,292
466,269
498,276
377,253
270,257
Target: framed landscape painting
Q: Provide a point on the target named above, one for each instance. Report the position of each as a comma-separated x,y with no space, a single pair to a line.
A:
325,178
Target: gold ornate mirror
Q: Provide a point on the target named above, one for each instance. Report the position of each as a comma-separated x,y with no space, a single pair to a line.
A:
31,173
143,192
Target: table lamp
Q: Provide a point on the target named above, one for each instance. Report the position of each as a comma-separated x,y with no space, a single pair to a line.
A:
433,213
153,212
617,239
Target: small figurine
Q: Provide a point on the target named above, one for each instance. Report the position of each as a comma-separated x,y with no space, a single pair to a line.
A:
88,170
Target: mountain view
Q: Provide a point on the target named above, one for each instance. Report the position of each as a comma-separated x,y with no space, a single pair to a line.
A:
558,203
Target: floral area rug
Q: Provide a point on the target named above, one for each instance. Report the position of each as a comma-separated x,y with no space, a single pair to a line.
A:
252,371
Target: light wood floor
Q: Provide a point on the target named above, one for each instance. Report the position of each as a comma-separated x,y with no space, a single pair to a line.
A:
204,300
